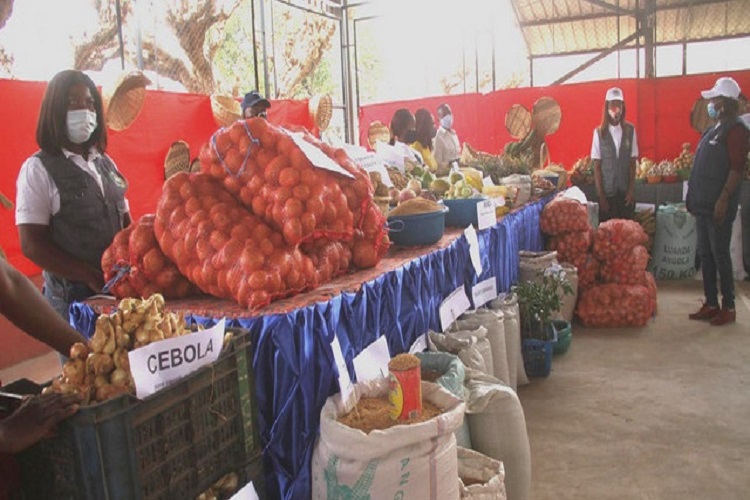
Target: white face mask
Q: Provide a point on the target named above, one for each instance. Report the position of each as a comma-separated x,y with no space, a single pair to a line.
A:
81,124
446,122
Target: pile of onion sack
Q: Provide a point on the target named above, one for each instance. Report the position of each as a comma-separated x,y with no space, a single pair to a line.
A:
260,222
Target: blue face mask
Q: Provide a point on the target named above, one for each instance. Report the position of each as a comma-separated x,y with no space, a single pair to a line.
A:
713,113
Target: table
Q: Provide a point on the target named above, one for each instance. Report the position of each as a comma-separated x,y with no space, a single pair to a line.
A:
655,194
293,360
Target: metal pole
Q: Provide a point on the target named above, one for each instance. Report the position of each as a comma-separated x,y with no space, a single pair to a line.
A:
255,46
138,39
476,61
265,47
531,71
494,70
618,39
273,51
118,13
684,58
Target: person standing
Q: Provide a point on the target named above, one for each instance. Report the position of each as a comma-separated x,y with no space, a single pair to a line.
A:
425,127
713,197
745,214
254,104
70,200
614,150
447,147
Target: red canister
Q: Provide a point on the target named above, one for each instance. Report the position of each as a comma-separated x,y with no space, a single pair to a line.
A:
405,387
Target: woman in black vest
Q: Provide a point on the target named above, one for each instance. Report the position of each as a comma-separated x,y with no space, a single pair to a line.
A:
70,196
614,150
713,197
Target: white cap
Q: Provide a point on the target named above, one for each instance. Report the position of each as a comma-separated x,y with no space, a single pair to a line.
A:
746,119
725,87
614,94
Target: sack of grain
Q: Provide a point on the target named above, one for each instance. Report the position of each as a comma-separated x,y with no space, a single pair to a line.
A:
493,322
480,477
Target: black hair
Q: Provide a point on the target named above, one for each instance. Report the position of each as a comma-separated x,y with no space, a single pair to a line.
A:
604,126
444,109
52,127
402,121
731,108
425,125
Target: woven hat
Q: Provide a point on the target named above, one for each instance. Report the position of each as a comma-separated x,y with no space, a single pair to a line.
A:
226,109
123,103
518,121
195,165
321,110
546,116
377,132
177,159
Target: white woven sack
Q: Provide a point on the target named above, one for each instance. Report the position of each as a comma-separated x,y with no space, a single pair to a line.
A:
568,301
493,322
498,430
508,304
474,465
471,346
412,462
531,265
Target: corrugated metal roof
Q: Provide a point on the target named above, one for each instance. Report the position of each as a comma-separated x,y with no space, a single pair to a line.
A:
556,27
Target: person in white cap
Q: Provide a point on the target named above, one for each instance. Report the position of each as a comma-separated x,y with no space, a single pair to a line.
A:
713,197
614,150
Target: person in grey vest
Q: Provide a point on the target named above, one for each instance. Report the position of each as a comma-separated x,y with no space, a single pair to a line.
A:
614,150
745,214
713,196
70,199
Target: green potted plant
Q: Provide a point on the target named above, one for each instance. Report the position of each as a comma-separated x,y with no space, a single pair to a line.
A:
539,300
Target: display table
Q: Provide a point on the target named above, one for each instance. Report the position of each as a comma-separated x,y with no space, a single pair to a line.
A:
293,360
655,194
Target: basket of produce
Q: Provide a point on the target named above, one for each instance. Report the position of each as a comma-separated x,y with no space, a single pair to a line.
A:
417,222
462,212
124,103
670,179
653,179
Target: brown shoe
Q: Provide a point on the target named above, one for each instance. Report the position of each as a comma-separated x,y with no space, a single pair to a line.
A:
725,316
705,312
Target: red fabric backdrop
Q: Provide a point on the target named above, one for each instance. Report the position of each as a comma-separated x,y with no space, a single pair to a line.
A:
138,151
659,108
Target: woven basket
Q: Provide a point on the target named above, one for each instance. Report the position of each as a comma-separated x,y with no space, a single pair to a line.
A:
124,102
195,165
177,159
383,203
378,132
226,109
320,108
518,121
699,118
546,116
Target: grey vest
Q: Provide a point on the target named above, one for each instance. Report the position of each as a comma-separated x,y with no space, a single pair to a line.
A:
87,221
616,167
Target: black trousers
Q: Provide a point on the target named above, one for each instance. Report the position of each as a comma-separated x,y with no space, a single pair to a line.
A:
618,209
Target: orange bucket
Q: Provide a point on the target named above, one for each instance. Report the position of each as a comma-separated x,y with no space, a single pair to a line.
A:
405,387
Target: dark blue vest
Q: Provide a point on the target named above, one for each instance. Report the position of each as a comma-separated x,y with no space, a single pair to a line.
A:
710,171
616,164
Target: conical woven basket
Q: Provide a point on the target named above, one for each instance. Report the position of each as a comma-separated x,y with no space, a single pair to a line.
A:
124,102
699,118
518,121
226,109
195,165
321,110
377,132
177,159
546,116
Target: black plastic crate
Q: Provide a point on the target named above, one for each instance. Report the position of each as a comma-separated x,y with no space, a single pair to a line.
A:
172,445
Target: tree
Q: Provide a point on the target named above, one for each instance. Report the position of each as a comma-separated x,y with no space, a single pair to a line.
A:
6,9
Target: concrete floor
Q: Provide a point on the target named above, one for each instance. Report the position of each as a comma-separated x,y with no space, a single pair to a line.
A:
660,412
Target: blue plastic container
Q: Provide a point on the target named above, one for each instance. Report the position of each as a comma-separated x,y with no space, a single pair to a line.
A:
463,212
417,229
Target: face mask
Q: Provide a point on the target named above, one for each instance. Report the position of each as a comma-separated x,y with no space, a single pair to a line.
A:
81,124
410,136
713,113
447,121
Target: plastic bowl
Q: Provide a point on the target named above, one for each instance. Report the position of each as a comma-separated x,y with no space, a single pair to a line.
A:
462,213
417,229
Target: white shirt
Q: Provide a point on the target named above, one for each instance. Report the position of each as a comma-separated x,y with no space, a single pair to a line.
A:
38,198
616,132
394,155
447,147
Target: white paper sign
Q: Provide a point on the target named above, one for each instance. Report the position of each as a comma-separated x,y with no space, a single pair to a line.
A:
372,362
419,345
684,190
380,168
484,291
317,157
487,181
476,260
345,383
575,193
453,306
246,493
486,214
163,363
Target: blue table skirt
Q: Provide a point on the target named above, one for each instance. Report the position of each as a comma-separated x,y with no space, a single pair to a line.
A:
293,362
